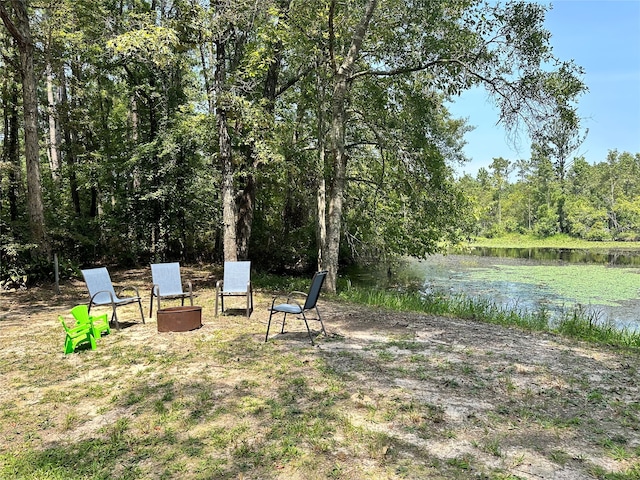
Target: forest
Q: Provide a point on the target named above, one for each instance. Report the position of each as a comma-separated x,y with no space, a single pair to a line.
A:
300,135
597,202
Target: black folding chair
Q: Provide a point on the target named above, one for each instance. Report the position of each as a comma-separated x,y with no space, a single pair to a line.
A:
293,307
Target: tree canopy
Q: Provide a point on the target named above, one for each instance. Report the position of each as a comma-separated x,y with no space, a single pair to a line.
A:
295,134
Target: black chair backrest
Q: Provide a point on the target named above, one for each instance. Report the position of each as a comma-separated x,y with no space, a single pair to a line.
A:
314,290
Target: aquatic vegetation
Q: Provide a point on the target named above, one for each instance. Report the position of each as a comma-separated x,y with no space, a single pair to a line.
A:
587,284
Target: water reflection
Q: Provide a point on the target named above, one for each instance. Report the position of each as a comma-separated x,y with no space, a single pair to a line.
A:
570,255
478,274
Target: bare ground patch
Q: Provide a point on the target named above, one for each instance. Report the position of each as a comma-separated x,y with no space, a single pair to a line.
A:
385,395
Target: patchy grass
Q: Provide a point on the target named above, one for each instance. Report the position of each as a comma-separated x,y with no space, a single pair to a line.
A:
387,394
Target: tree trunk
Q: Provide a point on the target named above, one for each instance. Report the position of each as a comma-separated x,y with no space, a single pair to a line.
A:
54,135
11,151
229,207
321,183
21,32
337,134
321,203
69,135
336,192
32,151
246,203
229,215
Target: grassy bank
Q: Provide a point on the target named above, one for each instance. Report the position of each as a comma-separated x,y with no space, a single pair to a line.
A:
576,323
556,241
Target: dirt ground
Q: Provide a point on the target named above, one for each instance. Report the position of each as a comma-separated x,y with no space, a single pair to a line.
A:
528,372
536,406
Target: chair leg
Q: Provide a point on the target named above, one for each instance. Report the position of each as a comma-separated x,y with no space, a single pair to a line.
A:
321,322
151,306
68,345
283,320
114,318
220,296
304,317
141,312
266,337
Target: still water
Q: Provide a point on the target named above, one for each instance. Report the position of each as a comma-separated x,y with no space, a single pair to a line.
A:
606,285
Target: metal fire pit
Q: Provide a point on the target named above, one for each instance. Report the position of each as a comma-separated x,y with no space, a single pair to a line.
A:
179,319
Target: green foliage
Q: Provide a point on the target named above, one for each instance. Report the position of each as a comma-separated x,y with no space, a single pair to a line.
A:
154,45
138,88
555,241
599,202
546,221
21,264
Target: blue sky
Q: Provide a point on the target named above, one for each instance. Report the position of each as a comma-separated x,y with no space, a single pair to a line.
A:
602,36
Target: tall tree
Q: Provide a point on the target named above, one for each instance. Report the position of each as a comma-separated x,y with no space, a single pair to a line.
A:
447,48
501,169
241,47
15,17
342,79
562,135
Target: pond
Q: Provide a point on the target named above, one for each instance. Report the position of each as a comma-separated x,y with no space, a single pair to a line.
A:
605,284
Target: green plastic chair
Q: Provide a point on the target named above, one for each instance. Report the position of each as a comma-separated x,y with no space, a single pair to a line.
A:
99,324
78,335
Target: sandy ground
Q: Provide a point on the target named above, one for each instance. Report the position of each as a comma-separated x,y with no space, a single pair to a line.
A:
537,406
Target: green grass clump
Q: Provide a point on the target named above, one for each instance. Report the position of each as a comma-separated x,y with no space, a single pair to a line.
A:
459,306
583,326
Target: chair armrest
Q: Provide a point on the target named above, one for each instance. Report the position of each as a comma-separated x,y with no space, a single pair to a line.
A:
295,294
131,287
98,293
273,302
79,329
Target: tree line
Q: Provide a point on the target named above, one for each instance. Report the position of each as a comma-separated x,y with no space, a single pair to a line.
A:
296,134
599,201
